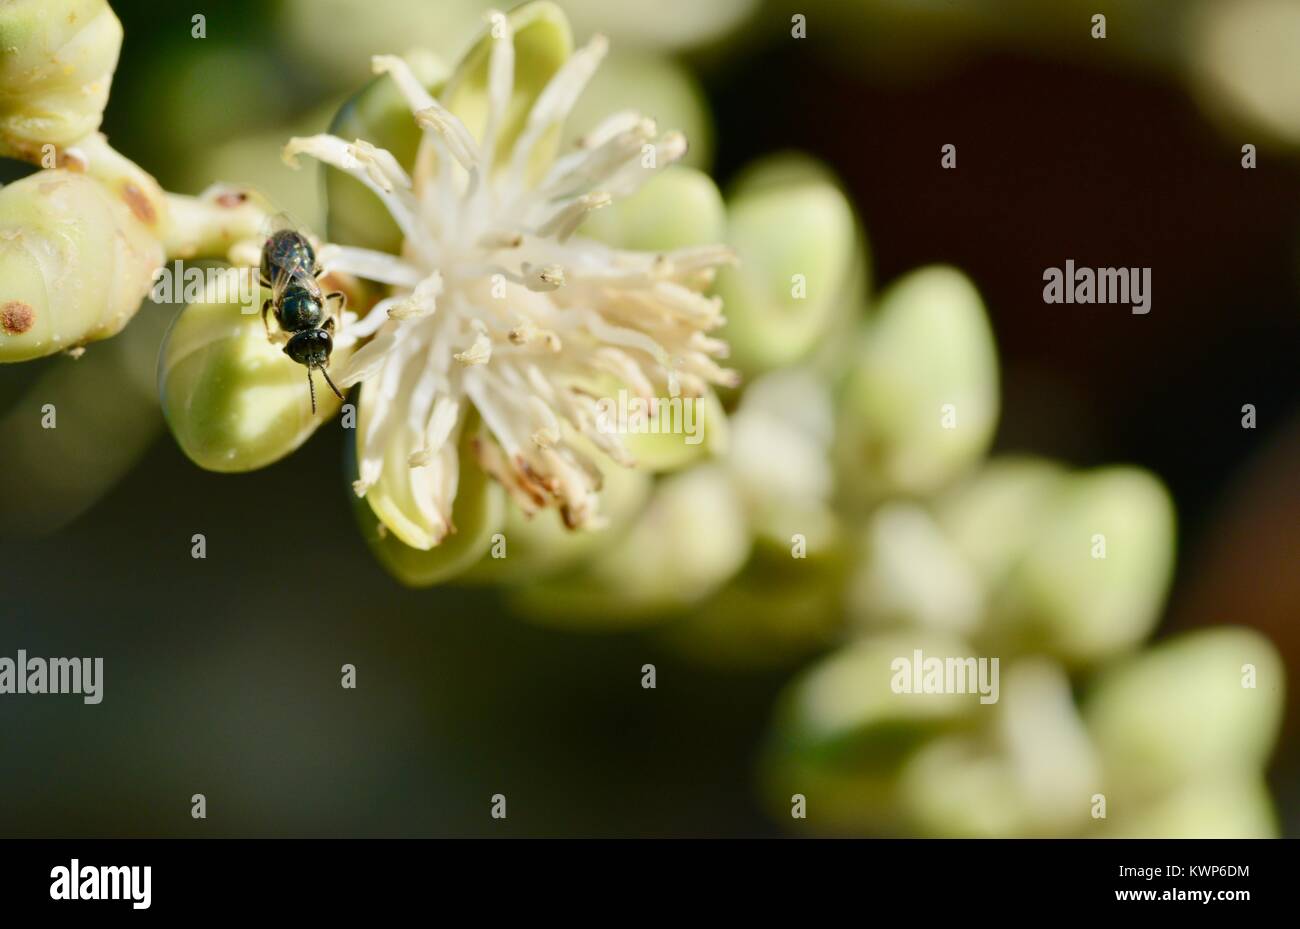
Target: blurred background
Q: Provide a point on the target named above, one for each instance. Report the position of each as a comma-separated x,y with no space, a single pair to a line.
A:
222,675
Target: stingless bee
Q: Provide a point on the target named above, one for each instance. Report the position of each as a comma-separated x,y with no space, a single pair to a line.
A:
290,271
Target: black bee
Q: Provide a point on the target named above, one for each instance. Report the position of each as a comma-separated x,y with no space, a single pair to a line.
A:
289,270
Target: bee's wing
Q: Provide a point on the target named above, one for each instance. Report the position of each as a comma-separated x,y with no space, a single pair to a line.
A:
303,278
275,222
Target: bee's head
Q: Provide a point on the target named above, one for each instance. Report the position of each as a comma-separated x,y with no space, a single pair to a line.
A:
311,347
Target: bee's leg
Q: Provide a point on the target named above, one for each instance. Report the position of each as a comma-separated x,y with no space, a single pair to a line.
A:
342,304
279,335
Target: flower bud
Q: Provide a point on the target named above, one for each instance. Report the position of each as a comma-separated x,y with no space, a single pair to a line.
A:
1094,575
687,542
653,85
842,733
797,242
677,208
922,401
56,65
993,516
77,255
541,546
1232,807
1201,707
233,400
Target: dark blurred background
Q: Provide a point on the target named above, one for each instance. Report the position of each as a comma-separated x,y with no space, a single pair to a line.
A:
222,675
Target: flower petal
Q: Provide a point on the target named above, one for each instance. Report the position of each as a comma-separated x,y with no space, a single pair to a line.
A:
477,513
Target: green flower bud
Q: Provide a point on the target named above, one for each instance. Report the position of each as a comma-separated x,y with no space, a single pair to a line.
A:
776,613
922,402
1202,707
677,208
842,735
667,25
993,516
56,66
845,706
1024,772
1241,58
478,514
233,400
1235,807
797,241
540,546
77,254
703,431
778,457
958,787
1095,574
910,573
649,84
689,540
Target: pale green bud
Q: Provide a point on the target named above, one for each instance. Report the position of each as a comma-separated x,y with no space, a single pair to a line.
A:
536,547
922,401
1025,772
797,242
842,733
778,457
676,208
666,25
699,430
77,253
1232,807
848,698
910,573
994,515
777,612
1202,707
1096,570
56,66
653,85
233,400
688,541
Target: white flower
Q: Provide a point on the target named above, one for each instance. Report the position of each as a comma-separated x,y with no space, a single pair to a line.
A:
497,304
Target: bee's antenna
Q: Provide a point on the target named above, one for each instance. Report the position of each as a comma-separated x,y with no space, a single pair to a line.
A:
311,387
325,374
